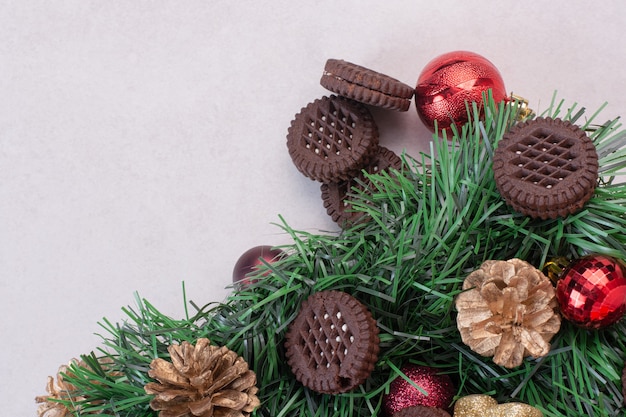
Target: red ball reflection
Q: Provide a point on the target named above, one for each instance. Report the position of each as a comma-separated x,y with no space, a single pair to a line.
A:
592,291
251,259
439,388
450,81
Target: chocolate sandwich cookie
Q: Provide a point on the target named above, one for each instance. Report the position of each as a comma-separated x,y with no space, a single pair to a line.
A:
336,194
421,411
366,86
546,168
332,139
332,345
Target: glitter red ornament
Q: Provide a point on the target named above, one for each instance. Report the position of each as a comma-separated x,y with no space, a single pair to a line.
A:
402,394
450,81
251,259
592,291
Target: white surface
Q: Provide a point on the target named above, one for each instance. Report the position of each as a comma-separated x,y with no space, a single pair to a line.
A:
142,143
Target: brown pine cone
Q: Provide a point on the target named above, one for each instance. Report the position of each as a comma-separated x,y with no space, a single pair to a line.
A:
202,381
508,311
57,390
62,390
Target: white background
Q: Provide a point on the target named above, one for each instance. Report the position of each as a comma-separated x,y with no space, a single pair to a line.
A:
142,143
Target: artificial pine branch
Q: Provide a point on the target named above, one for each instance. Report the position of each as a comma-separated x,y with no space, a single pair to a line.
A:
111,381
430,225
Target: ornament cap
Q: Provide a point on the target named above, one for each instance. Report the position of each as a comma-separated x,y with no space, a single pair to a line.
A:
523,111
554,268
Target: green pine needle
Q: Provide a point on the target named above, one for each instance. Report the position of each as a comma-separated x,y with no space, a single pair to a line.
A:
429,225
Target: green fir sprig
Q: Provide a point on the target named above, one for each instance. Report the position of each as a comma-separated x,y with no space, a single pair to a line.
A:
111,380
428,226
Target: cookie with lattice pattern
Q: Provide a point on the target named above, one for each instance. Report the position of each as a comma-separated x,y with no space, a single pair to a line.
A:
337,195
546,168
332,139
332,345
365,85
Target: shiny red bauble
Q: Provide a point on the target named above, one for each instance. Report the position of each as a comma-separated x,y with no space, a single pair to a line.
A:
250,261
402,394
451,81
592,291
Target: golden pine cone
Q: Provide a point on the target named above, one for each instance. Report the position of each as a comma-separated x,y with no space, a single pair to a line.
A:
203,381
57,390
508,310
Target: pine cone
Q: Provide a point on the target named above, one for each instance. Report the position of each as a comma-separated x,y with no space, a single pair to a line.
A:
202,381
508,311
57,390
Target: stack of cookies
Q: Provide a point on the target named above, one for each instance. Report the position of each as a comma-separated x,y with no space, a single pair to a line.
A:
334,139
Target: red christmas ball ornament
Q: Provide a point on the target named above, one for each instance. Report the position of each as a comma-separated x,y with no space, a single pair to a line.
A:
251,259
402,394
450,81
592,291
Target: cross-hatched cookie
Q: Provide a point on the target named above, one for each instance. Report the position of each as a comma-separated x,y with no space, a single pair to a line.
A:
546,168
336,195
332,139
365,85
332,345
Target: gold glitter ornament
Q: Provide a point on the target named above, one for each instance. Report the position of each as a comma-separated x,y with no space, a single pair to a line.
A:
473,405
479,405
514,410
